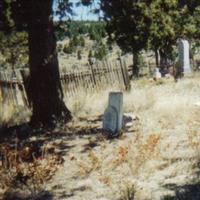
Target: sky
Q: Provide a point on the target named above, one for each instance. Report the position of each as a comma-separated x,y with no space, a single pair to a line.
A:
83,12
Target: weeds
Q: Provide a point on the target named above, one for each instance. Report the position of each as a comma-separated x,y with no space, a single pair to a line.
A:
26,167
128,193
12,115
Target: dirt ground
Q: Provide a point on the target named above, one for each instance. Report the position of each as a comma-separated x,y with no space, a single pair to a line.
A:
157,156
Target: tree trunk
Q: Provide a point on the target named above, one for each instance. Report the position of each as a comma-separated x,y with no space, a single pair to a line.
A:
157,58
163,62
135,69
45,90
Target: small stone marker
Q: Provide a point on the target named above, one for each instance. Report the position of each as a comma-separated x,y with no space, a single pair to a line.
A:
184,55
156,74
113,115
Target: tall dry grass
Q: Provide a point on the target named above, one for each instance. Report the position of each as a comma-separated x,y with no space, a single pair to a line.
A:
13,115
169,103
164,150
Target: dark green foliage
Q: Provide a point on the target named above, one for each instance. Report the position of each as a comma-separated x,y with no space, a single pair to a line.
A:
127,23
101,51
81,41
178,19
95,30
90,55
151,24
74,43
13,50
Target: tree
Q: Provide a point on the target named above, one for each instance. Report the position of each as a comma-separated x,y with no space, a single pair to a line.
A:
171,20
162,29
156,24
101,51
13,49
44,89
128,24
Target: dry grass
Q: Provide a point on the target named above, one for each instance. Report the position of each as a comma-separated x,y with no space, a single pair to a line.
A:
6,113
161,149
12,115
167,103
25,166
154,157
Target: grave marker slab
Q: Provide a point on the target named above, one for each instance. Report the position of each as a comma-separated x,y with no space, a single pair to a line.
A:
110,120
184,55
113,116
156,73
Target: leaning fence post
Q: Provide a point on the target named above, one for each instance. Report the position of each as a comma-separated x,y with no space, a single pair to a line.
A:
25,78
125,78
93,74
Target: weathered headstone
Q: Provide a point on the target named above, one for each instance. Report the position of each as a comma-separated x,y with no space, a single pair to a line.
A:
184,55
156,74
113,116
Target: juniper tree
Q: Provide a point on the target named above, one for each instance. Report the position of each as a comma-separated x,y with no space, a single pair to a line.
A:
128,24
36,18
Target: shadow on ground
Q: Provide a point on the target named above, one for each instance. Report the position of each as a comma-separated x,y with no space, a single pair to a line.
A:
31,144
43,195
186,192
69,132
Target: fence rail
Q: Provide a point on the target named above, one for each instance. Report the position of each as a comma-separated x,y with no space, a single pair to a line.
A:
95,77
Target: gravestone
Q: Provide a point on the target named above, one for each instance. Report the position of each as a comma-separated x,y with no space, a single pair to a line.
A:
156,74
184,55
113,115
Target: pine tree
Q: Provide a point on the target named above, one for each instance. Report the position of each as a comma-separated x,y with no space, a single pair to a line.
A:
128,24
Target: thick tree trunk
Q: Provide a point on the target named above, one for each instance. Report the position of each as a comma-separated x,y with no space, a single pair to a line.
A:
135,69
44,86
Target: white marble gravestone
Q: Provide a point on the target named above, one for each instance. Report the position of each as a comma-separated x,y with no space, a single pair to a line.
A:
113,115
156,73
184,55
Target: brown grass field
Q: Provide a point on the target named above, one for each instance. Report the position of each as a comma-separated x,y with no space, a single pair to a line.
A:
156,158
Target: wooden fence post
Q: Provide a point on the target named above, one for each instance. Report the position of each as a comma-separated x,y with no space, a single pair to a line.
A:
26,77
125,77
93,75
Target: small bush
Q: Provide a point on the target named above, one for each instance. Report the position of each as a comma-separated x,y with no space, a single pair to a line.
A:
128,193
59,47
69,49
101,51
